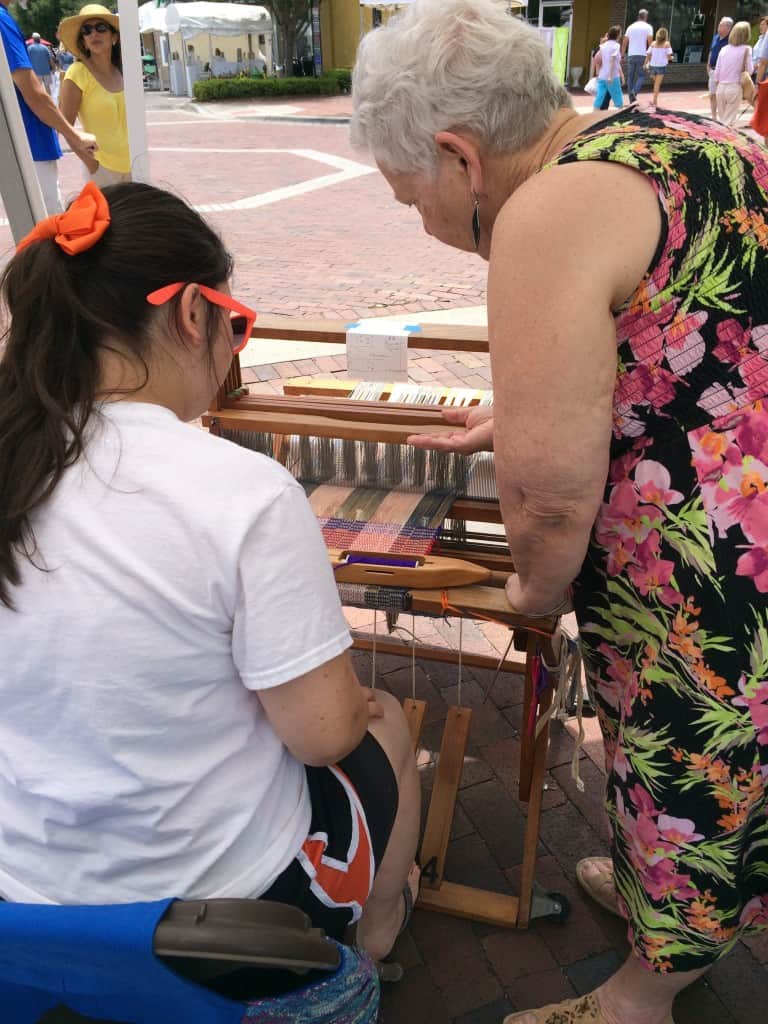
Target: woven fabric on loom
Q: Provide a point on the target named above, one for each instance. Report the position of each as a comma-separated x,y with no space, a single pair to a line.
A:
368,519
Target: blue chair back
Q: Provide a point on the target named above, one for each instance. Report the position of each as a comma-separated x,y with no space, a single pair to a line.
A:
99,962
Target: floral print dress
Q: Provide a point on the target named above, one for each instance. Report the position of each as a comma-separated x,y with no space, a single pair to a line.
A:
672,600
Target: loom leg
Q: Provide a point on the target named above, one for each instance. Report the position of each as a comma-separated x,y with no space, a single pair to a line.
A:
527,739
536,794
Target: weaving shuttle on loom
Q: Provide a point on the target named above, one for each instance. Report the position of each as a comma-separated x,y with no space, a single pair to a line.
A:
409,530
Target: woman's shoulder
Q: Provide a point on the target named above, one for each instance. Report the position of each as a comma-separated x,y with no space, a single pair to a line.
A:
78,73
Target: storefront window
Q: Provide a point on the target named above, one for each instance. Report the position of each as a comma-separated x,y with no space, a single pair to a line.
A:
685,24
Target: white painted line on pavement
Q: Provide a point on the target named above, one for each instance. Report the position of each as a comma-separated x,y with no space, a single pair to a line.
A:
347,170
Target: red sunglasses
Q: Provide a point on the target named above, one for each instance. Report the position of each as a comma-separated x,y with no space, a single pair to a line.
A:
242,317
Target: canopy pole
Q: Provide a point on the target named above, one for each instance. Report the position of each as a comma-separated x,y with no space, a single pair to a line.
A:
19,187
133,85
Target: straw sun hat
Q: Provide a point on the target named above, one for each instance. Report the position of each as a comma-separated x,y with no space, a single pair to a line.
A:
69,28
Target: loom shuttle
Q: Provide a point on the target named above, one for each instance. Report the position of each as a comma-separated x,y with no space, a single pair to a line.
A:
384,569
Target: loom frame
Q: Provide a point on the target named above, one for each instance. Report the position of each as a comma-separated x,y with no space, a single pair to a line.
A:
315,410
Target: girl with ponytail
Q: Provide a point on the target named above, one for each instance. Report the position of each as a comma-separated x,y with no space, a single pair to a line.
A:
173,655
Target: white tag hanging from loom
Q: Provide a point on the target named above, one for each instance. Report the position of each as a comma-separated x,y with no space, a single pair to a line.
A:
377,352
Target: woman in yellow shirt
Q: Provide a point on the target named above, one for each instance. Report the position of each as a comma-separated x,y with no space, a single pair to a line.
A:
93,90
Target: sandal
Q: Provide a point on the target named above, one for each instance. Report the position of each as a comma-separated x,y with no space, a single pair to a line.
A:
582,1010
599,884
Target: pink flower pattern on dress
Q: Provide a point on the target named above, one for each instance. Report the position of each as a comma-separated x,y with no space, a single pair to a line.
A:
671,599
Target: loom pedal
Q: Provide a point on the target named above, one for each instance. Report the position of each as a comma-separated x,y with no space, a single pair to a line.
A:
434,845
414,714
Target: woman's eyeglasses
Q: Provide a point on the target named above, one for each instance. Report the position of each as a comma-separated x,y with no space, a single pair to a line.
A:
100,27
241,317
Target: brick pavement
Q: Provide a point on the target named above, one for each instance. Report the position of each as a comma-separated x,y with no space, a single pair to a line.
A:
347,251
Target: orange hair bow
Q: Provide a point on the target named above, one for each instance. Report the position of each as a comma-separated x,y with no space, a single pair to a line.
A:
78,228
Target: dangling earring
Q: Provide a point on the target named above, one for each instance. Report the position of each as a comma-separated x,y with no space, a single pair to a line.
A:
476,221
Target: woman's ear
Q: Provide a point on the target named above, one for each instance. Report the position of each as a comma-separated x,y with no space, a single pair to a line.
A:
192,316
466,152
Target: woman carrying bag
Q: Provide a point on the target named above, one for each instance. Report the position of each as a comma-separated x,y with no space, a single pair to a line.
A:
732,71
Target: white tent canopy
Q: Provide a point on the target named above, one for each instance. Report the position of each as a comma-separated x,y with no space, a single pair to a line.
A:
199,18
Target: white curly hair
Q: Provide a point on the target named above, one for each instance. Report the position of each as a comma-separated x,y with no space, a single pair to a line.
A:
448,65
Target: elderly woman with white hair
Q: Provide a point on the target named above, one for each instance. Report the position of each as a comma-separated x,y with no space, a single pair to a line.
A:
630,426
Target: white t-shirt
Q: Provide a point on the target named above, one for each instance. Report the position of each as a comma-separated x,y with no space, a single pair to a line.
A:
659,55
610,52
639,34
136,761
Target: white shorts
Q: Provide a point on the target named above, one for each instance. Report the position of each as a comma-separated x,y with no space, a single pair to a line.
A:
712,83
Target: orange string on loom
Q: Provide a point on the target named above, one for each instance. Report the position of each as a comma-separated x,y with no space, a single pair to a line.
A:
448,607
77,229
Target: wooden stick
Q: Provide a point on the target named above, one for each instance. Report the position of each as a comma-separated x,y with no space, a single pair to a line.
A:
434,845
531,838
295,422
414,713
455,338
364,643
474,904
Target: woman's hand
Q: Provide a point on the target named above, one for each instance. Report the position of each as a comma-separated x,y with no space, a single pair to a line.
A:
476,435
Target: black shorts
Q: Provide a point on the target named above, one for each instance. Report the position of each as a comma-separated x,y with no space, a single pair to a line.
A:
354,804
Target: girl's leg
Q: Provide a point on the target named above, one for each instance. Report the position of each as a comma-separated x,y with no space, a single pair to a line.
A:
614,87
383,913
600,95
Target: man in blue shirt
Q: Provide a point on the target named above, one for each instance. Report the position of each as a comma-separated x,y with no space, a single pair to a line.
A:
42,62
41,117
719,40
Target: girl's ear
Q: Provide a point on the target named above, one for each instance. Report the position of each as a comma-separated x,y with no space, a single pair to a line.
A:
192,316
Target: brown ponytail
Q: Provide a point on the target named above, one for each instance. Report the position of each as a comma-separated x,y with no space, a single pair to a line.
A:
62,308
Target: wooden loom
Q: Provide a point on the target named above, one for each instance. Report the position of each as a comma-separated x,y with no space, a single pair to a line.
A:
311,408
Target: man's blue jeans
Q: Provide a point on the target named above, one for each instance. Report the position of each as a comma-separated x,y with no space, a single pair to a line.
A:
635,76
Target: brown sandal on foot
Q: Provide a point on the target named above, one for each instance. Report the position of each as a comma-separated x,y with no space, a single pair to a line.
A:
601,886
582,1010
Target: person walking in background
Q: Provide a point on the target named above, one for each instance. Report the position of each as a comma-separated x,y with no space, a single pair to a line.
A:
760,52
41,117
593,69
42,62
634,46
609,74
93,90
659,55
719,40
733,59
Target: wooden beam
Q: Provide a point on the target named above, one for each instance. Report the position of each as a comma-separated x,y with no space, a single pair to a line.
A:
414,713
403,648
437,832
474,904
456,338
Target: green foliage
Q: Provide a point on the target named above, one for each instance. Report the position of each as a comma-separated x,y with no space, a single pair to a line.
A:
242,88
43,16
343,76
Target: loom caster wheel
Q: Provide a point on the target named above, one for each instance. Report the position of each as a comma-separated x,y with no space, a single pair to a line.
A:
550,904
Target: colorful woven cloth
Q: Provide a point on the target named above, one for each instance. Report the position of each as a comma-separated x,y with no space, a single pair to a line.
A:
348,996
367,519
